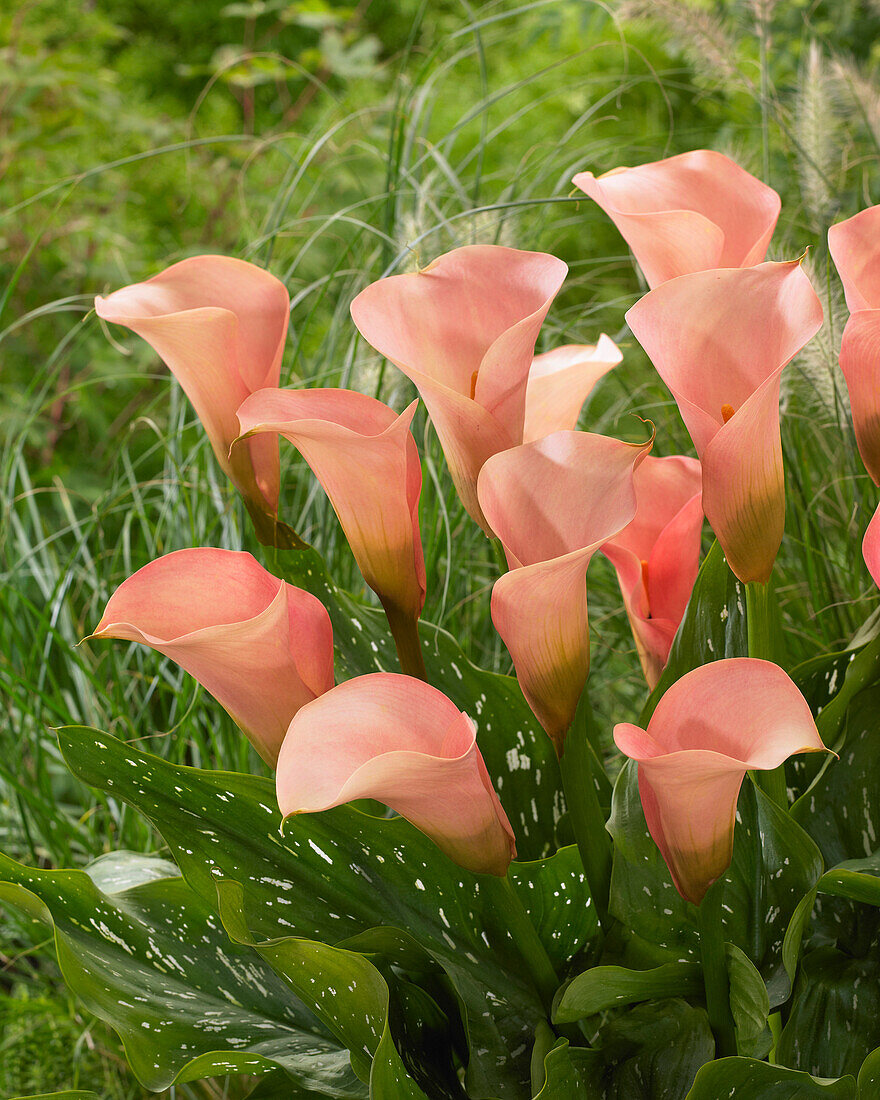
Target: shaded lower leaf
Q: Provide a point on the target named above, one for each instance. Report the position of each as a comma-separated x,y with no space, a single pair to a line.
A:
651,1052
518,753
749,1004
749,1079
605,987
834,1021
389,1079
855,879
154,963
336,875
561,1078
869,1076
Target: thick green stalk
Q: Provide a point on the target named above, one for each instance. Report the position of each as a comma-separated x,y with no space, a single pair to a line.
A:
530,946
405,632
715,977
772,783
580,768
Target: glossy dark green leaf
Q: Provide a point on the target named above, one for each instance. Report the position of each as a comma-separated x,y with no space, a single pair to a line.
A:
834,1021
775,863
154,963
389,1079
749,1079
555,894
561,1078
713,627
749,1004
869,1076
517,751
840,810
605,987
856,880
651,1052
333,876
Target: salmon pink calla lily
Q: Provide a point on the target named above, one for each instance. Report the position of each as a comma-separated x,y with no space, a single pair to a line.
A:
720,340
691,212
463,330
219,324
366,459
710,728
559,383
553,503
657,555
404,743
855,249
260,646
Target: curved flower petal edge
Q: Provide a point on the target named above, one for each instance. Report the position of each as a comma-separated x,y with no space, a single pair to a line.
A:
260,646
710,728
463,330
560,381
720,340
367,461
404,743
657,555
856,254
219,324
553,503
871,547
687,213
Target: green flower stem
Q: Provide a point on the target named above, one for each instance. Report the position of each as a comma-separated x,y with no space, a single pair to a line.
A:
530,946
715,977
405,632
772,783
580,768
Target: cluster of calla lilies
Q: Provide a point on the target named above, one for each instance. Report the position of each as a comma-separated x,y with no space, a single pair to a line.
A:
719,324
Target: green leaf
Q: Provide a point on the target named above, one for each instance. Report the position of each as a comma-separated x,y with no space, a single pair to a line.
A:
153,962
389,1079
869,1076
333,876
838,810
554,892
713,626
71,1094
855,879
775,863
561,1078
517,751
651,1052
613,987
749,1004
749,1079
834,1022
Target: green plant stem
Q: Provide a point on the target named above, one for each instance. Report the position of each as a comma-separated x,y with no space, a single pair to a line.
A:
579,766
715,977
405,632
530,946
499,555
772,782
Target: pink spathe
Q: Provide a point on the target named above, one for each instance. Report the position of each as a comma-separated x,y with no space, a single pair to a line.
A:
657,555
366,459
219,324
855,250
260,646
711,727
398,740
691,212
553,503
559,383
463,330
720,340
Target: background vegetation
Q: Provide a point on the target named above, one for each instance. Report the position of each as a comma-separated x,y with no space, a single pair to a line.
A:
336,144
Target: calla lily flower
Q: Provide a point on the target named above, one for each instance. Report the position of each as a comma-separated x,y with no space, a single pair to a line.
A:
404,743
553,503
719,340
710,728
856,253
463,330
687,213
560,382
261,647
219,324
871,547
657,555
366,459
